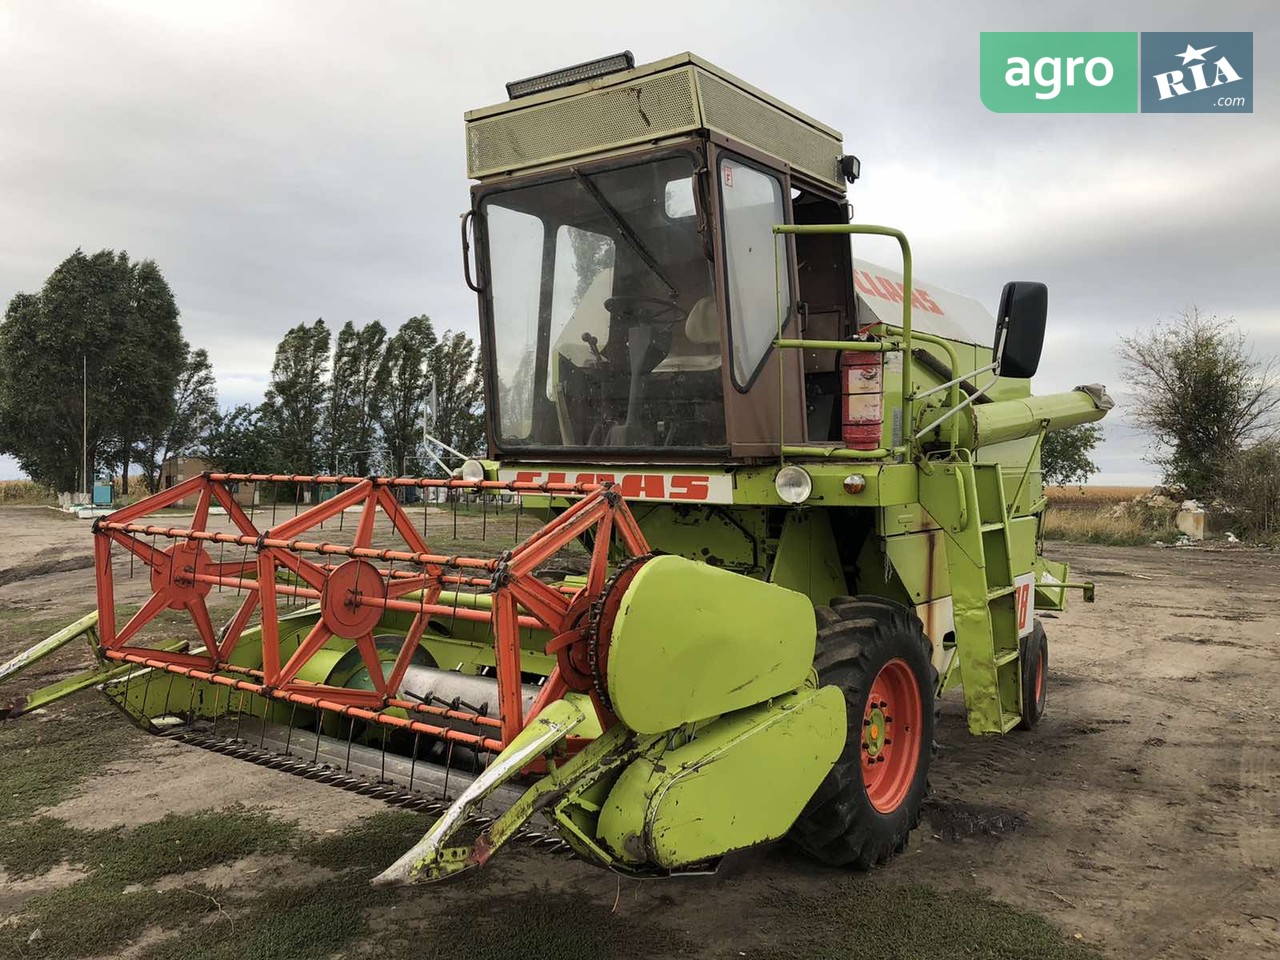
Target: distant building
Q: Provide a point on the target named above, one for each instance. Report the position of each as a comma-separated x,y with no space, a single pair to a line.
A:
177,469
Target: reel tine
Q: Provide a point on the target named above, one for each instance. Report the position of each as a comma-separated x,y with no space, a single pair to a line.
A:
351,732
382,769
217,696
239,714
448,768
274,503
413,762
484,517
288,740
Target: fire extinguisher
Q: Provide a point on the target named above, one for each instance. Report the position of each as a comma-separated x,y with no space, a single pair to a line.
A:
862,398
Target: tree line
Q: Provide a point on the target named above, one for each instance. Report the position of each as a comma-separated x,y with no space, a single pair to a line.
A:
95,365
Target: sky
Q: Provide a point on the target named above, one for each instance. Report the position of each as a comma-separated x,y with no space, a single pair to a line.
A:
291,160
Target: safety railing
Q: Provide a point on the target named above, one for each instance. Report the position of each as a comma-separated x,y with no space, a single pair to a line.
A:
892,339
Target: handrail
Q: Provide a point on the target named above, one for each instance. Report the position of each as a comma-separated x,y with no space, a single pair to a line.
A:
908,387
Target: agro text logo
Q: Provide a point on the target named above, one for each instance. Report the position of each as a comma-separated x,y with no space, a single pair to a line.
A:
1059,72
1197,73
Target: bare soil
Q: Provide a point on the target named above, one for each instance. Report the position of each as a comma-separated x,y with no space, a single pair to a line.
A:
1143,814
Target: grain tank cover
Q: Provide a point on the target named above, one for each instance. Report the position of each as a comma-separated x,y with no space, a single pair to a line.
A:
934,310
669,99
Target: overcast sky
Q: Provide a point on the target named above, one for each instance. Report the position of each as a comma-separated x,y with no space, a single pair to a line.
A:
289,160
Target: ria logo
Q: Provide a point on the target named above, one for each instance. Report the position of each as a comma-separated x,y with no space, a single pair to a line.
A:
1197,73
1171,84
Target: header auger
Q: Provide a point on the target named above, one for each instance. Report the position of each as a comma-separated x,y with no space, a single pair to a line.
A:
799,497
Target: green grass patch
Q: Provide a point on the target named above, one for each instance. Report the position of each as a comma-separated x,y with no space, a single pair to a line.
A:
114,904
95,917
372,845
44,760
867,917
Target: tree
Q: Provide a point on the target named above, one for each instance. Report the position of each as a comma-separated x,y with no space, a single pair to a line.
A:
100,322
404,379
195,402
236,440
355,397
294,407
1064,455
1201,394
459,388
1251,489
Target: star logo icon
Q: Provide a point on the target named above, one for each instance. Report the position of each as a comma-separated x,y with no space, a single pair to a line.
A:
1191,53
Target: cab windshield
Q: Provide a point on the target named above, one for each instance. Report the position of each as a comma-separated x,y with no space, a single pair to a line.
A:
604,320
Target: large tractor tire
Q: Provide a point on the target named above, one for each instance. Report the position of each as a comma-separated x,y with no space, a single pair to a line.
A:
875,651
1034,657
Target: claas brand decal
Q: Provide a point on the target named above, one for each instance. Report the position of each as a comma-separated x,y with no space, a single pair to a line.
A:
874,285
671,485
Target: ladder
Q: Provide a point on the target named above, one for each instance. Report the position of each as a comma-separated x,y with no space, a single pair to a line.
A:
968,501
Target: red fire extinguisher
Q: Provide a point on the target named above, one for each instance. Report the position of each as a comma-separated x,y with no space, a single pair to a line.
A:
862,398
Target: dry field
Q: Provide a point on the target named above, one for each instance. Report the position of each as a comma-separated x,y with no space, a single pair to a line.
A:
1086,514
1141,820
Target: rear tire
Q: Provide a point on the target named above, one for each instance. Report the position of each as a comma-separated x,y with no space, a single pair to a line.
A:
1034,657
869,803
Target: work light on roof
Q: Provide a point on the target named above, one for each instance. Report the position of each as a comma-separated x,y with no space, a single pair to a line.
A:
571,75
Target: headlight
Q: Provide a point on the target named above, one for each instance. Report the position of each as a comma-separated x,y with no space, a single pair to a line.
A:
854,483
472,471
793,484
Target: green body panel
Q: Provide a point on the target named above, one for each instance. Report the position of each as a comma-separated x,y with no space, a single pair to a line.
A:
808,560
691,641
683,806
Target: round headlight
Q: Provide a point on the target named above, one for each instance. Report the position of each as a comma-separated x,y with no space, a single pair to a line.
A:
472,471
855,483
793,484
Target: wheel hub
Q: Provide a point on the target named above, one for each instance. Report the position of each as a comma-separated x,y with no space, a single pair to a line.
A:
891,724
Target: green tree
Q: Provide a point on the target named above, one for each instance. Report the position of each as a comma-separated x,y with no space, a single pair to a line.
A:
294,407
459,389
356,393
404,379
1064,455
101,324
195,402
1201,395
237,441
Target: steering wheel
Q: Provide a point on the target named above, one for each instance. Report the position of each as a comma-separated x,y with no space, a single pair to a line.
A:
644,310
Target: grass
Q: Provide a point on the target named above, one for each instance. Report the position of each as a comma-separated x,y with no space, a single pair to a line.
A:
1097,525
1089,514
861,917
327,907
42,763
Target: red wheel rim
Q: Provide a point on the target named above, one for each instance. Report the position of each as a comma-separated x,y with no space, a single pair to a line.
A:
891,726
1039,676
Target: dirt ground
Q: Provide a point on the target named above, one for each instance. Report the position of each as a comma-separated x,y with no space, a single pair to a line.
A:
1142,816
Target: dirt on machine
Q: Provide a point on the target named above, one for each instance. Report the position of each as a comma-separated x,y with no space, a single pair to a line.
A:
802,493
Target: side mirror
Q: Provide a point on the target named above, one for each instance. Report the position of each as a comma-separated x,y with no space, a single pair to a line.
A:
1024,306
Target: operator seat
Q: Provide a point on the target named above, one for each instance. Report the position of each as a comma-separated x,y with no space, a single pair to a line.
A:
695,345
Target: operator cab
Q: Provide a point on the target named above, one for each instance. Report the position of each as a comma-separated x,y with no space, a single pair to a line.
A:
631,286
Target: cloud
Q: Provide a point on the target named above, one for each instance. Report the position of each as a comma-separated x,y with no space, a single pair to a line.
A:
293,160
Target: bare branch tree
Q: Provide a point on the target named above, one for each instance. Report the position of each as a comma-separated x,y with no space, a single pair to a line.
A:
1201,394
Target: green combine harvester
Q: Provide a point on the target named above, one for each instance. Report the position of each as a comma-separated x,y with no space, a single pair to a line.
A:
804,492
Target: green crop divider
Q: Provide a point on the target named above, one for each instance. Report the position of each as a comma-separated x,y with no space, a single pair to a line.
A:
87,627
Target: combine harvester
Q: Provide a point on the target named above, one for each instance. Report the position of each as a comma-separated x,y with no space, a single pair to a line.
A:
806,494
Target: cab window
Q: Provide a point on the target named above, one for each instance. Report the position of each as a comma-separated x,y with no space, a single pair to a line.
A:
755,262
